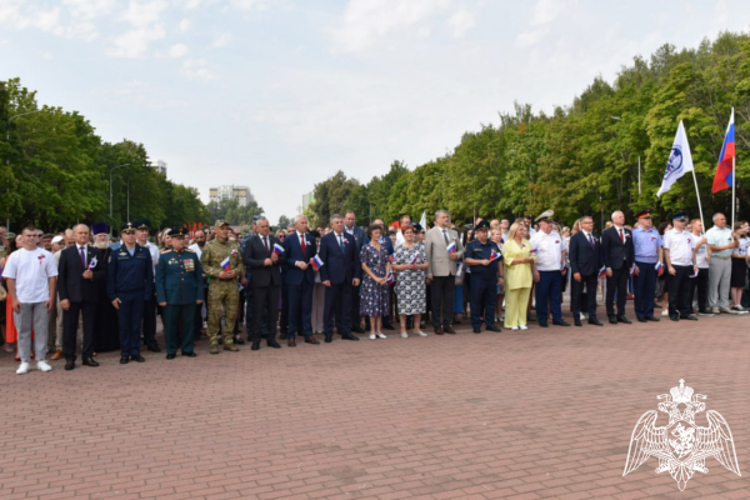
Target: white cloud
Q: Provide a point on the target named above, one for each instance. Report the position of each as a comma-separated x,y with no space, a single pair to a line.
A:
142,13
461,22
528,38
222,40
48,56
546,11
249,4
89,9
195,69
134,43
178,50
184,25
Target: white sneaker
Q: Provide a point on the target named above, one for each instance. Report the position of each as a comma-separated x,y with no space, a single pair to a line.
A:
523,327
42,366
716,310
665,312
707,314
24,368
421,333
382,336
515,328
373,337
404,335
727,311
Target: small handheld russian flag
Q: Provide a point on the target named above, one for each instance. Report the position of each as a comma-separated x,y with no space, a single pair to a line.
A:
316,262
225,264
278,249
632,270
602,272
695,274
495,255
533,251
93,263
389,279
414,259
390,257
564,267
659,268
452,247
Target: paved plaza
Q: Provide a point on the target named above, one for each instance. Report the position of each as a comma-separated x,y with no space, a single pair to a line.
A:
546,413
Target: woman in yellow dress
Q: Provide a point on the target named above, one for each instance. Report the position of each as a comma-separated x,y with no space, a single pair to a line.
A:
520,267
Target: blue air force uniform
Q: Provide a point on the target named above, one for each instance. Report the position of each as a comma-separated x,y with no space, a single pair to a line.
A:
483,290
179,283
131,279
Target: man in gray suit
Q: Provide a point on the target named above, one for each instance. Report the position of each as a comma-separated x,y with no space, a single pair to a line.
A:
444,249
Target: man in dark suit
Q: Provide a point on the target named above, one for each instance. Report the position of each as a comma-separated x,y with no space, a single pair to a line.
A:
299,279
360,240
80,270
341,272
265,280
617,253
585,262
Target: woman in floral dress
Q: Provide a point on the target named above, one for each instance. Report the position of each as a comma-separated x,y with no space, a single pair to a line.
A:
411,290
374,294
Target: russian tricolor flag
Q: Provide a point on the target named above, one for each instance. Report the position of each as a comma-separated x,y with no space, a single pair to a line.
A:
414,259
602,272
659,268
316,262
632,270
390,279
495,255
452,247
278,249
724,171
225,264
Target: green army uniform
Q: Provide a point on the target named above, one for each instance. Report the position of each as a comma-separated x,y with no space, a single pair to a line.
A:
179,283
222,291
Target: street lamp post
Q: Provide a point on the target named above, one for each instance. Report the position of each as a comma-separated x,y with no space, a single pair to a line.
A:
110,186
7,139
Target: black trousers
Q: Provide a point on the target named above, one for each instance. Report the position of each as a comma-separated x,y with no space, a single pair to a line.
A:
174,314
70,329
198,321
149,321
679,287
701,284
443,289
589,283
284,321
618,283
265,311
338,304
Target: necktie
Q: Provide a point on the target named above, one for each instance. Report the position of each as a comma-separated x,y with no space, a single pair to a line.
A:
591,239
265,240
341,242
622,236
302,243
83,258
445,236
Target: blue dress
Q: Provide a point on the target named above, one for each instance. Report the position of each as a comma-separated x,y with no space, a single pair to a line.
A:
374,298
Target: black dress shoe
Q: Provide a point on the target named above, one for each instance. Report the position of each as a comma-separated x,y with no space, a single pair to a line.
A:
577,322
239,341
612,320
328,340
674,318
153,348
562,322
171,356
255,346
651,318
190,354
89,362
642,320
543,324
349,336
594,321
494,328
272,343
691,317
124,360
138,358
477,330
623,319
70,364
357,329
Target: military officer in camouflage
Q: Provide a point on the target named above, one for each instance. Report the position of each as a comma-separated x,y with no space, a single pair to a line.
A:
179,287
222,262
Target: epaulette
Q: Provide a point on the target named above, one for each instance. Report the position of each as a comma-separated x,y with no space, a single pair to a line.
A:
166,250
188,250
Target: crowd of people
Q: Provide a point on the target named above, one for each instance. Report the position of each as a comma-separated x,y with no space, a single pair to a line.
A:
84,287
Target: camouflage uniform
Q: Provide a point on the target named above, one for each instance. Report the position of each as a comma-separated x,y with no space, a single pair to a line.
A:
222,291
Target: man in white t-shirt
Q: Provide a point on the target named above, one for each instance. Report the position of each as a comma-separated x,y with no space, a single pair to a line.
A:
681,266
31,275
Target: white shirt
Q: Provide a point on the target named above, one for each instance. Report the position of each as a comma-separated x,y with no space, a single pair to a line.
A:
154,251
32,270
680,246
549,249
701,254
742,249
197,249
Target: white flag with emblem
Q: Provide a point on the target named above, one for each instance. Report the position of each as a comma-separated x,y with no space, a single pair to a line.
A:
680,161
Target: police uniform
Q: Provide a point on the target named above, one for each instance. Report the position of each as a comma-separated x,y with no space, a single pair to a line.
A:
646,246
679,245
149,306
131,280
179,283
222,291
550,249
483,290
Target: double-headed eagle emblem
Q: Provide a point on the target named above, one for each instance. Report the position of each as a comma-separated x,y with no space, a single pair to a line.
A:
681,446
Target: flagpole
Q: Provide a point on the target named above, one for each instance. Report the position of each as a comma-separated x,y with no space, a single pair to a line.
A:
700,208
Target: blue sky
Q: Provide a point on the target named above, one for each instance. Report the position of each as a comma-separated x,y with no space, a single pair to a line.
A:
279,95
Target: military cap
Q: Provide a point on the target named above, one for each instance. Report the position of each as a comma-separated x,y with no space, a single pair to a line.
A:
99,228
483,225
128,227
142,223
680,215
644,214
178,233
417,227
546,216
57,239
221,222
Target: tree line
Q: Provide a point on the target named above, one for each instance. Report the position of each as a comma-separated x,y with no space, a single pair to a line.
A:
582,158
55,171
